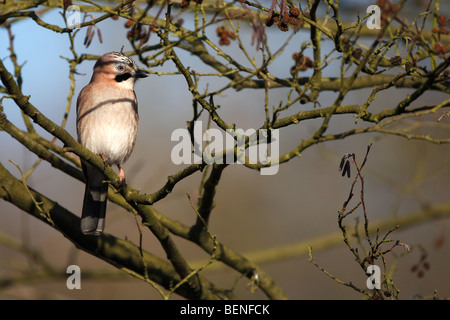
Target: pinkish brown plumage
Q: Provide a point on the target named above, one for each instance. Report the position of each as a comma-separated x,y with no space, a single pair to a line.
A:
107,122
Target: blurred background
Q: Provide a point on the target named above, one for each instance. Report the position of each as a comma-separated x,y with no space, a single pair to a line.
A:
252,212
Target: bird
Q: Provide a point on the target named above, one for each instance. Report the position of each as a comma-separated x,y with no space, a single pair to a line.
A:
107,124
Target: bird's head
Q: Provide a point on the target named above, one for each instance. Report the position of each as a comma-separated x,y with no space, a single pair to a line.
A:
117,67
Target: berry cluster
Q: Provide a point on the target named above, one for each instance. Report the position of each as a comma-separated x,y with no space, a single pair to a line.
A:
137,31
348,47
441,49
225,35
302,63
387,9
442,22
283,19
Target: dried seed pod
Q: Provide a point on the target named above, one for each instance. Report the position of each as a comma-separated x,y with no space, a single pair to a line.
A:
224,42
357,53
295,12
409,65
89,36
442,21
396,61
276,17
99,34
296,22
269,21
225,35
441,49
283,26
128,24
219,31
184,4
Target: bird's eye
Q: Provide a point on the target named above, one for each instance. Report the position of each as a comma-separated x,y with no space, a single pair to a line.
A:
120,68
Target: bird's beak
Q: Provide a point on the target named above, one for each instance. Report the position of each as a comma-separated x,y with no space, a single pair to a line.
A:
141,74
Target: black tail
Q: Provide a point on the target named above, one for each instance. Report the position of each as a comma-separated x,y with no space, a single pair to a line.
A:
94,203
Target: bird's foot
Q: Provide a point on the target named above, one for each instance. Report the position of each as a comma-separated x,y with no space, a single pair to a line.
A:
104,158
123,182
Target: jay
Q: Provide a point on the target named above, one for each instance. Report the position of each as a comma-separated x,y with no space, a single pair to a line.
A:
107,123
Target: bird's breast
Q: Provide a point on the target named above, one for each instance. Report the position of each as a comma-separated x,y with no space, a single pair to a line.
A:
107,123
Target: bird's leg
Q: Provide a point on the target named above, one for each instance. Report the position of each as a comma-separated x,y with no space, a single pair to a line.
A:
104,158
121,173
122,179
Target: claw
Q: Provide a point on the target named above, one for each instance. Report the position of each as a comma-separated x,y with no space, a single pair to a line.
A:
104,158
123,182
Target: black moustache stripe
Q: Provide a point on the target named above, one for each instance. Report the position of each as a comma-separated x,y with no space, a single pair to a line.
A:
123,77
